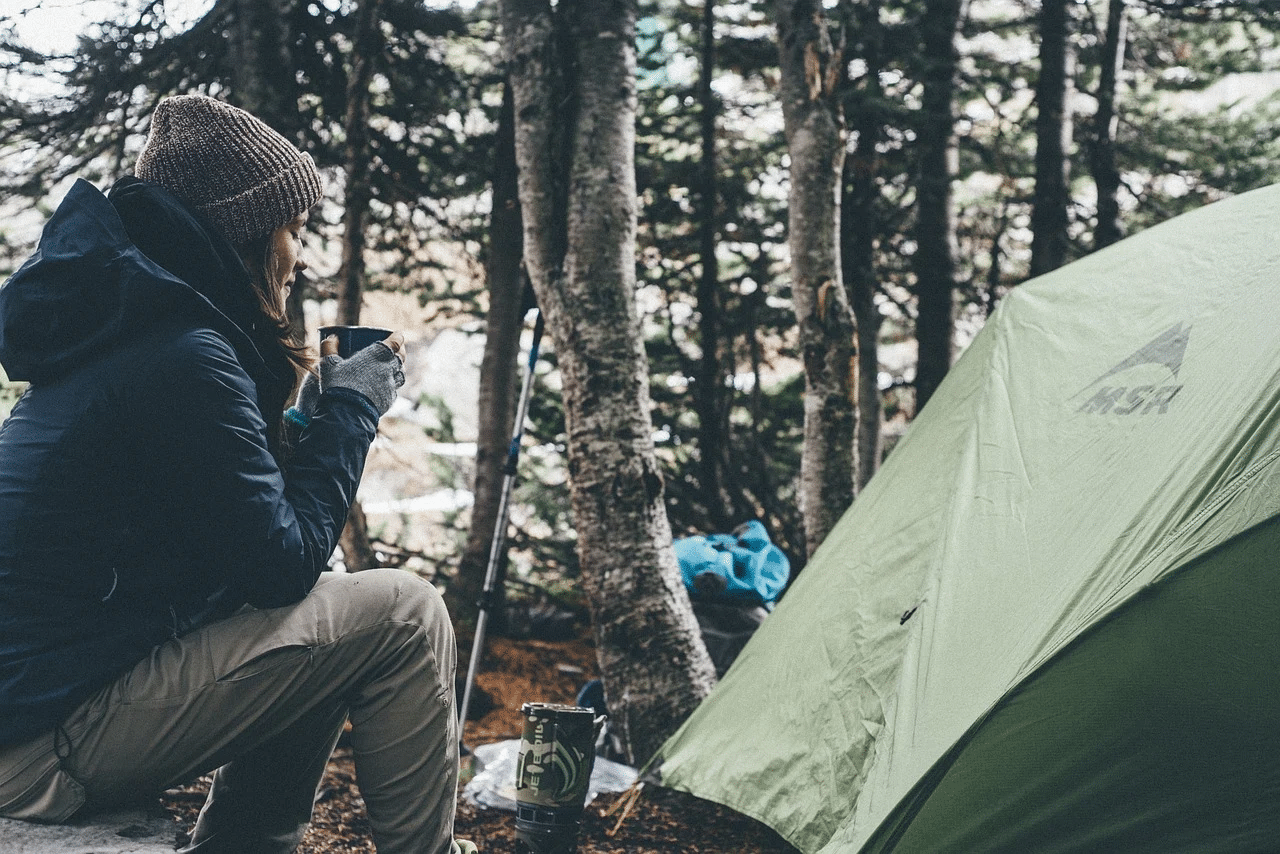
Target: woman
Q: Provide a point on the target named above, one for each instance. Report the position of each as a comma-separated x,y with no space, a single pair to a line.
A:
163,606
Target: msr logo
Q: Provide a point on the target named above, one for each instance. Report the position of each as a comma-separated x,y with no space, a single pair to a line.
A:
1141,395
1123,400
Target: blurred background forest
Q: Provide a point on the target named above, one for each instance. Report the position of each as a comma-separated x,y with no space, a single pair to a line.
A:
983,142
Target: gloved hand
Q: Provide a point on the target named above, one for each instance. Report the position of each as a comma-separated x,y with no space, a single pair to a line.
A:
375,372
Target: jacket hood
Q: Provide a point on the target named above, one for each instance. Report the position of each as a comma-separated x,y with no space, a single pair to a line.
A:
104,268
73,295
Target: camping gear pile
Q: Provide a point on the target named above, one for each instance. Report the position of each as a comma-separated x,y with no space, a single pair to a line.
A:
733,581
1050,621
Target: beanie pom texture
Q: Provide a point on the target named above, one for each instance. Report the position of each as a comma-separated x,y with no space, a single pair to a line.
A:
246,178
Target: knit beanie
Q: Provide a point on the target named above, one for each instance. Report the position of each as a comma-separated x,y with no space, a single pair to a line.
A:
229,166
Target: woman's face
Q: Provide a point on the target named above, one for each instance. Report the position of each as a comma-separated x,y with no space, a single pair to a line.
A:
286,252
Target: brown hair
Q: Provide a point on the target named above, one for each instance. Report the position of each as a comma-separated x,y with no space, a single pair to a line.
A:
259,257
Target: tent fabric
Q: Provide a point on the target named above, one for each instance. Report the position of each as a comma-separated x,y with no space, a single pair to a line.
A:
1134,738
1114,422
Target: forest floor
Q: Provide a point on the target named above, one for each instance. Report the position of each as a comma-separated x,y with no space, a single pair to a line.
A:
661,821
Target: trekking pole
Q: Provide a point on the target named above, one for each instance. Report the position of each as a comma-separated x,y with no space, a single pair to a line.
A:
500,527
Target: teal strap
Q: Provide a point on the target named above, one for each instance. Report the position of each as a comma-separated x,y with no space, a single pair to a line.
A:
294,415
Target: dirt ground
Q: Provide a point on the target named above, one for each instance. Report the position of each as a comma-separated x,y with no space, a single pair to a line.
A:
660,821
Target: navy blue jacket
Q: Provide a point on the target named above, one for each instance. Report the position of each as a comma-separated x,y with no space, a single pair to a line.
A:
141,490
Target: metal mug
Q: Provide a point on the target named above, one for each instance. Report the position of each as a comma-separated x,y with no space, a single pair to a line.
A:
352,339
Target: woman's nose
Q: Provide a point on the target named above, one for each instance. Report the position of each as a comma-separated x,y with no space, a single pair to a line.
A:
299,265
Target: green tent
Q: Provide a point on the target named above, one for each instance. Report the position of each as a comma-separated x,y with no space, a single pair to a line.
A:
1052,620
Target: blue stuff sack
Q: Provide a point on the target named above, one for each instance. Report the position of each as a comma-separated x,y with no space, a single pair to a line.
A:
742,566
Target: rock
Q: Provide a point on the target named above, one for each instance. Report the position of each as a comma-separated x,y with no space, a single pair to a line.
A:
136,830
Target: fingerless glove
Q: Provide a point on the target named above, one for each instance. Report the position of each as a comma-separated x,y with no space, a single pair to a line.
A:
374,372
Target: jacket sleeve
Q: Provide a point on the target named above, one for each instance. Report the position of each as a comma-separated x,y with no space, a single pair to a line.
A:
268,533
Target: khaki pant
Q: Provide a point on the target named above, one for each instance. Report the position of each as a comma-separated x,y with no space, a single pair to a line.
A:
262,696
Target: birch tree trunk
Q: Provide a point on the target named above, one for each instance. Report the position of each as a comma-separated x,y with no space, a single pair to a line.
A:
498,375
1102,157
810,71
934,260
1049,241
572,71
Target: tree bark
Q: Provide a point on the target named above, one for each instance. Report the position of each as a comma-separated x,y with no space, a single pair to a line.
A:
263,82
1106,174
810,70
934,260
263,70
499,380
709,391
573,71
1049,241
359,192
357,550
858,227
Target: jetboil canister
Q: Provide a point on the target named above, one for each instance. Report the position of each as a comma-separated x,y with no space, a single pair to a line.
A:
557,753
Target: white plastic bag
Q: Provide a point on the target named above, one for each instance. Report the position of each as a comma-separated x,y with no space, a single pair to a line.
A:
494,785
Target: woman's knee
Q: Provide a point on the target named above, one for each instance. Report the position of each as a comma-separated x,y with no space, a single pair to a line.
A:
395,594
409,614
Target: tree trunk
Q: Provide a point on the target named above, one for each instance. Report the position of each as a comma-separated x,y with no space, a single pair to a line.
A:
810,70
262,65
365,46
870,408
858,227
1049,241
573,76
934,260
264,83
356,549
709,392
498,376
1106,174
995,262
